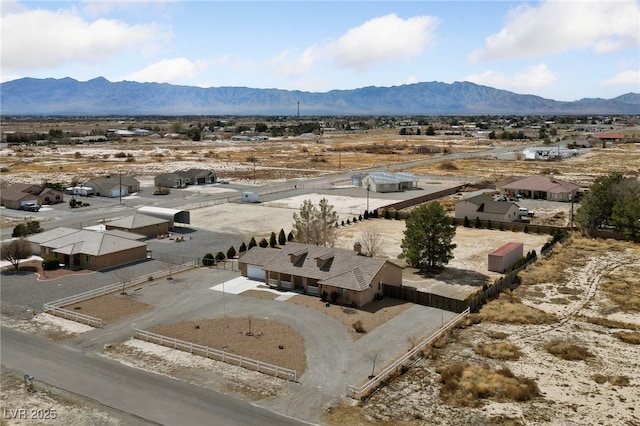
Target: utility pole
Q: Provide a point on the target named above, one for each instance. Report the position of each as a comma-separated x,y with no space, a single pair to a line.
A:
120,187
368,189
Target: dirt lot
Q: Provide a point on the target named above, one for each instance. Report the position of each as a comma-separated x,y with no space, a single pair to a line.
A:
585,295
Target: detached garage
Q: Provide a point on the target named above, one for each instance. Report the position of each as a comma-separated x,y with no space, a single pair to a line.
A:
172,215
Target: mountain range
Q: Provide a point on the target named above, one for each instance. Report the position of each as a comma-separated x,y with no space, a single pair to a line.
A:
66,96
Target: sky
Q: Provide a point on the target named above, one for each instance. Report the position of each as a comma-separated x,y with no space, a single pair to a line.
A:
562,50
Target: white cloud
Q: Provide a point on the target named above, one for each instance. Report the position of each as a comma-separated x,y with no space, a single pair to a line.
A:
558,26
290,65
385,39
380,40
39,38
174,70
535,77
631,77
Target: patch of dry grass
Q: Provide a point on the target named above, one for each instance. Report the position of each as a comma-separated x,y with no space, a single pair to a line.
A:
501,350
567,351
614,380
604,322
110,307
465,385
622,287
508,310
628,337
497,334
258,294
256,338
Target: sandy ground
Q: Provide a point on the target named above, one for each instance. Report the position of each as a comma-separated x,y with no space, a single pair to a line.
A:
604,388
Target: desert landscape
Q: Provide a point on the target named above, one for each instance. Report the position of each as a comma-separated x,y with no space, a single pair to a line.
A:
562,348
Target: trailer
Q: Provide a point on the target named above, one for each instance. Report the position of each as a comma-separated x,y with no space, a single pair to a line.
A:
505,257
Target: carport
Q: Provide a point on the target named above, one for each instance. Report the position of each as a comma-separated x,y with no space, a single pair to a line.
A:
172,215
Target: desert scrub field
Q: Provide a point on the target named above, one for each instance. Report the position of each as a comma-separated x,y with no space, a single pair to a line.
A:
507,309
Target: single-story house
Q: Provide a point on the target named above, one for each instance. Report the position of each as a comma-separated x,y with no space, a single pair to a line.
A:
539,187
342,276
381,181
484,207
80,248
183,178
113,186
14,196
169,180
148,226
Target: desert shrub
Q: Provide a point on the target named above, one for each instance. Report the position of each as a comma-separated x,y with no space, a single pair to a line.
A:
628,337
447,165
466,384
387,214
599,378
497,334
489,224
619,380
220,256
50,263
501,350
358,327
501,226
567,351
120,154
208,259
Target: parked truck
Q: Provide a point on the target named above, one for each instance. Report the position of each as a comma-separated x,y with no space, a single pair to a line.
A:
523,211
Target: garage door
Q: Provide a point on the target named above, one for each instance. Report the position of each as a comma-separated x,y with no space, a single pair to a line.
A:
255,273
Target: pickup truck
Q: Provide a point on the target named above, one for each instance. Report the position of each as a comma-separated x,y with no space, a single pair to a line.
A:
522,211
30,207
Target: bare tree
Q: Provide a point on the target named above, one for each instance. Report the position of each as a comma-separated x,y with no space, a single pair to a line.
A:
373,357
15,251
125,275
372,241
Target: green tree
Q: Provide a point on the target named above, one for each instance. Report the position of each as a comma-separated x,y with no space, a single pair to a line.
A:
263,243
220,256
427,238
252,243
430,131
316,225
282,238
596,209
194,133
290,236
242,248
231,253
15,251
273,240
208,259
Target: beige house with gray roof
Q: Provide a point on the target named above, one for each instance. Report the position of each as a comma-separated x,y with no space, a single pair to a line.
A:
148,226
80,248
342,276
485,207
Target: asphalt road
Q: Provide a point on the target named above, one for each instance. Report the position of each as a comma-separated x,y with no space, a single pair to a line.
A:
147,395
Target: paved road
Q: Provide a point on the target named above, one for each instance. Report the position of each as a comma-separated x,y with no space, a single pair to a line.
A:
147,395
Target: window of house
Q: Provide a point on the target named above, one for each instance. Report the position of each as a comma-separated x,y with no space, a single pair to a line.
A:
88,258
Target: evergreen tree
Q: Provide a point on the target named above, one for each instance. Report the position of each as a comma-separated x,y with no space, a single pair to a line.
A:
263,243
427,238
252,243
282,238
272,240
243,248
231,253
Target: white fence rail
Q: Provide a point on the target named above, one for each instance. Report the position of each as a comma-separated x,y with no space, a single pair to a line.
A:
55,307
364,390
229,358
75,316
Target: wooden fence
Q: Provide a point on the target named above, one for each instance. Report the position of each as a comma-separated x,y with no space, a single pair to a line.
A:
229,358
413,295
400,205
413,355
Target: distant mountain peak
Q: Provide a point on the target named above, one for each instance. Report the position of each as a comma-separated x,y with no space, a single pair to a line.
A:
99,96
